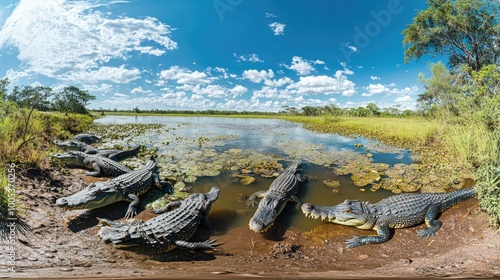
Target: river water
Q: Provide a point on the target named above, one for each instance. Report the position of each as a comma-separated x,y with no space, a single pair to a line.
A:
189,140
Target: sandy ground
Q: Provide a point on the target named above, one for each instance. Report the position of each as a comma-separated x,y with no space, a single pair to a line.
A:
65,245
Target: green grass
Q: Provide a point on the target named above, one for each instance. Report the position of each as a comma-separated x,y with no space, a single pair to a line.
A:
26,138
401,132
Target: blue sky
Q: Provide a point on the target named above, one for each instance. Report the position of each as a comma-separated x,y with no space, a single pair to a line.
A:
256,55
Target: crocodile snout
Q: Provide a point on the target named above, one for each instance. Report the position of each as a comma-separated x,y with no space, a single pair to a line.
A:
62,202
307,207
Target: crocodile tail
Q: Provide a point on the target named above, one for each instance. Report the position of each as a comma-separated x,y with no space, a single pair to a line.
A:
458,196
119,156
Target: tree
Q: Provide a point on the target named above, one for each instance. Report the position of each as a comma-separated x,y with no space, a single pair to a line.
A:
373,108
31,97
3,88
72,100
310,111
441,90
467,31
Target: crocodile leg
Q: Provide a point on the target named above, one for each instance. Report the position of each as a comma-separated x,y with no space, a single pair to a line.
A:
252,200
163,185
206,245
97,170
132,208
300,178
431,221
167,187
205,223
106,222
384,234
169,207
295,200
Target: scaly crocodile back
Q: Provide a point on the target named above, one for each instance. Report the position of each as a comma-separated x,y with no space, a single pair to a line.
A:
137,182
287,182
410,208
178,224
108,166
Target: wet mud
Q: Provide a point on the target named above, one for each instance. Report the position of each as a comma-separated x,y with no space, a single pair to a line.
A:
65,244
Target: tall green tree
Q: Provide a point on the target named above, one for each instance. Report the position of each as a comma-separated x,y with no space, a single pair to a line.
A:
3,88
72,100
373,108
32,97
441,91
467,31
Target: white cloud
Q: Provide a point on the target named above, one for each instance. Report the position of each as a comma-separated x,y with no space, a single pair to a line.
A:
302,66
270,15
351,47
277,28
258,76
120,95
322,85
14,75
213,91
349,92
375,89
119,74
98,88
140,90
346,71
374,78
182,76
379,88
223,73
403,99
71,41
249,57
278,83
238,90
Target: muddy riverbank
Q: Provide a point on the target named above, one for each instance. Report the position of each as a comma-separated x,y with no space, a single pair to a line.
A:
64,244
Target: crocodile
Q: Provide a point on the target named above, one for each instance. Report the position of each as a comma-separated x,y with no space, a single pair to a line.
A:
117,155
394,212
87,138
167,231
102,166
126,187
282,189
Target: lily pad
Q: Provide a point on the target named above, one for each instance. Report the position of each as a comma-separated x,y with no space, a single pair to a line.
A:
331,183
181,186
246,180
362,179
394,172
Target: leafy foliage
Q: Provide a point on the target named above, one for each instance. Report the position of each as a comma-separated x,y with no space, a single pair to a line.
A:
488,188
72,100
467,31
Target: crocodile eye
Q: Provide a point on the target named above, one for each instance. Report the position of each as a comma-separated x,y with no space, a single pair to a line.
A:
96,191
347,210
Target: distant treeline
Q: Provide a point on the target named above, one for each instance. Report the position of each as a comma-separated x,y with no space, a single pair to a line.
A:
371,110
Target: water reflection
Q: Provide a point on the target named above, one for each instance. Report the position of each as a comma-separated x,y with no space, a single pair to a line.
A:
266,136
259,134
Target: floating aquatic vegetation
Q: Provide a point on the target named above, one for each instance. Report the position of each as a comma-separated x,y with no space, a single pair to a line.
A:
362,179
188,151
246,179
331,183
